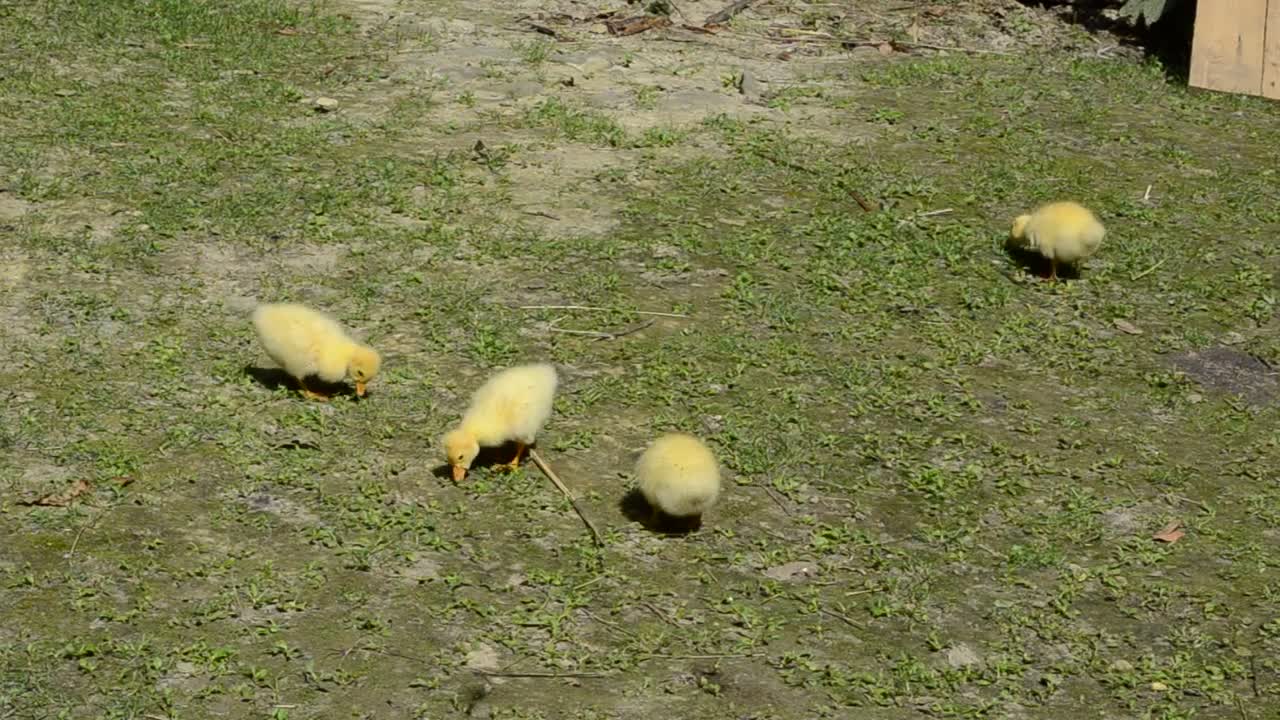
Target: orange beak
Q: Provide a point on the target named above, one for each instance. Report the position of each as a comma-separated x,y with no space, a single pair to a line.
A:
459,472
359,389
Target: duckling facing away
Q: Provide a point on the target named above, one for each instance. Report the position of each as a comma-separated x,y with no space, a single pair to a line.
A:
512,405
306,343
678,476
1063,232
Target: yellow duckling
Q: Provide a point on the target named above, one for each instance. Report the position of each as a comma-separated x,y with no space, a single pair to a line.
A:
512,405
678,476
306,342
1063,232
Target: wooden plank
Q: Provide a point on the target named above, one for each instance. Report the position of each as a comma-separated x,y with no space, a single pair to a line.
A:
1226,52
1271,54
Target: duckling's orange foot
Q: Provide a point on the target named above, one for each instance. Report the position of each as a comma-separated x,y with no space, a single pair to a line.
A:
515,462
310,394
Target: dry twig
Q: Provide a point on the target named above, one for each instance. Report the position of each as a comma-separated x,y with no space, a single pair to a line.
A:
724,14
638,24
1148,271
555,479
610,623
699,657
76,542
599,309
661,615
588,333
603,335
499,673
840,617
902,46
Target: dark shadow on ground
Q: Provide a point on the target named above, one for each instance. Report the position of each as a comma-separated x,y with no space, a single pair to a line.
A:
1167,41
635,508
1034,263
275,378
488,457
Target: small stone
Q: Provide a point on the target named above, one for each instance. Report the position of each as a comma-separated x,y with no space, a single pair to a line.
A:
595,64
461,27
1125,326
483,657
1195,398
663,250
959,656
523,88
749,86
791,571
325,104
1159,686
1121,666
1232,338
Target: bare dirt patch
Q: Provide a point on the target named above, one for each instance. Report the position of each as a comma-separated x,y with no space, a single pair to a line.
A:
1227,370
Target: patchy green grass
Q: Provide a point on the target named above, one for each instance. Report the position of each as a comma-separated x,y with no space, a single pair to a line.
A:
969,462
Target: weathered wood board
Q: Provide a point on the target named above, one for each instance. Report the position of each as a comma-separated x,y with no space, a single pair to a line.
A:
1229,47
1271,53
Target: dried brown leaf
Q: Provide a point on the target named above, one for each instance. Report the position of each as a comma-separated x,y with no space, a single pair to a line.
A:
1169,533
63,498
638,24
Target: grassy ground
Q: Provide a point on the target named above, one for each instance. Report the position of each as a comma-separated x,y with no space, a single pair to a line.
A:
944,475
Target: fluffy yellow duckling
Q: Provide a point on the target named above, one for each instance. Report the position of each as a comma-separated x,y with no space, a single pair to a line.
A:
306,342
512,405
1063,232
678,476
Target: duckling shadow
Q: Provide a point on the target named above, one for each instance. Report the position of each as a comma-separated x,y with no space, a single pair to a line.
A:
635,508
271,378
488,457
1034,263
275,378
